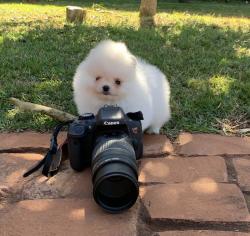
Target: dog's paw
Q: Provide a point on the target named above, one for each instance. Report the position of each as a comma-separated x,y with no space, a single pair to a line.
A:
152,130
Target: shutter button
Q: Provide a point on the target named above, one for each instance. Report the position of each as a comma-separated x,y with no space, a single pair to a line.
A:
87,116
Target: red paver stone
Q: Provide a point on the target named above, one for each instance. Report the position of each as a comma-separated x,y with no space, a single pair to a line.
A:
201,233
212,144
66,183
200,201
156,145
242,167
13,165
174,169
26,140
65,217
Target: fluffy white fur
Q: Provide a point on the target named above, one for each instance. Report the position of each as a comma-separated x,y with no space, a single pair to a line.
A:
133,84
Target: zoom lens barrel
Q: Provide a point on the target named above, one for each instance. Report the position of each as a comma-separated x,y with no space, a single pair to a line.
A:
114,174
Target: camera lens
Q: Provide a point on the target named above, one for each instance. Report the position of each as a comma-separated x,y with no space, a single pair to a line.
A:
114,174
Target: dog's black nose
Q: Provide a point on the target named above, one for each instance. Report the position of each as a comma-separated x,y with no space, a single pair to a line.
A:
105,88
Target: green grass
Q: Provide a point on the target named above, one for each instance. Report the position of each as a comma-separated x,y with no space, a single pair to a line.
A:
203,48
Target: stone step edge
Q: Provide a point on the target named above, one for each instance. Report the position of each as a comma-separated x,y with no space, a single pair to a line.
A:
41,150
169,224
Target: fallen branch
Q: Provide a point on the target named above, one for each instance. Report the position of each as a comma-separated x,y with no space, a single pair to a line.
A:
243,131
52,112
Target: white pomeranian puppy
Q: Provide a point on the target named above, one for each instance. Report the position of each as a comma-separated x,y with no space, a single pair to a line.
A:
112,75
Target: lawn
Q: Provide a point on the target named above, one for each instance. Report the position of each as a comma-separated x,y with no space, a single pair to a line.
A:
203,48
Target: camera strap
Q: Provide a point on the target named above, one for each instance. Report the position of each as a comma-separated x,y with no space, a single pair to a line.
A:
52,160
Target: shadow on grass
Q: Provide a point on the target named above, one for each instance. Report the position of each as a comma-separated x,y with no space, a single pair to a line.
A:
212,71
207,68
236,9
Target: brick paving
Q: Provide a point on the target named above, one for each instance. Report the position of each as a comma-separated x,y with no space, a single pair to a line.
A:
199,185
201,233
175,169
201,200
65,217
212,144
242,167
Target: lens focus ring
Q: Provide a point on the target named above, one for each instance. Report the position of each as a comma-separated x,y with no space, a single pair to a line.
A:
114,174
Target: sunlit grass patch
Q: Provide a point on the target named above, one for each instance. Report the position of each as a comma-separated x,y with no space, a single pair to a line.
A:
203,48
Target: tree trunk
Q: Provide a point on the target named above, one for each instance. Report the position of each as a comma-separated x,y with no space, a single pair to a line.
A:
75,14
147,12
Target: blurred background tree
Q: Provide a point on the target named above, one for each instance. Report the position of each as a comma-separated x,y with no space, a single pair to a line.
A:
147,12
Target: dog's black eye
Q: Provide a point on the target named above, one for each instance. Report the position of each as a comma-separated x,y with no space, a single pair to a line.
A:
97,78
118,82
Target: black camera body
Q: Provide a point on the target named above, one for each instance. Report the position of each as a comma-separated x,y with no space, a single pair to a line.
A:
110,143
110,121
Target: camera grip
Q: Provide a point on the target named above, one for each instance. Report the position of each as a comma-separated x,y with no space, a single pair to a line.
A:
76,154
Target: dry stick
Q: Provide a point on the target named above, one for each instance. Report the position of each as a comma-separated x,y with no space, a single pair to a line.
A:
52,112
243,131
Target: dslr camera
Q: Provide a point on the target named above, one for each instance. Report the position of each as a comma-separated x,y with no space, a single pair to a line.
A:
110,143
